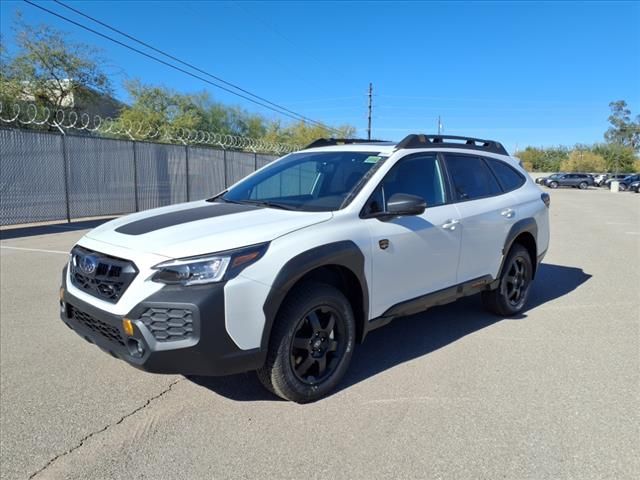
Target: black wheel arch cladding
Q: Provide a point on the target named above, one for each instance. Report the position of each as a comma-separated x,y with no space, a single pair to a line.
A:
525,225
342,254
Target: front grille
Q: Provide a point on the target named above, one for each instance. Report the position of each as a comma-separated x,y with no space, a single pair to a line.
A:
109,332
167,324
101,275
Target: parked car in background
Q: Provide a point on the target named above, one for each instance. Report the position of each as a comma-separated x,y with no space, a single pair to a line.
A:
635,186
626,182
616,176
575,180
600,178
542,180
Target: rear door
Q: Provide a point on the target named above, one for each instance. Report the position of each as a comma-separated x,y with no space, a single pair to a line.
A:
486,212
570,180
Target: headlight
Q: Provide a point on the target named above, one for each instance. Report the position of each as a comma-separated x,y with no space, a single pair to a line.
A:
207,269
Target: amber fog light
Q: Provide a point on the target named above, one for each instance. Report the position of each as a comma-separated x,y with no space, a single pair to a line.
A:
127,326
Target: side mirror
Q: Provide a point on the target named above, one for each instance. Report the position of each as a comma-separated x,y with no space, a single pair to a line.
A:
405,204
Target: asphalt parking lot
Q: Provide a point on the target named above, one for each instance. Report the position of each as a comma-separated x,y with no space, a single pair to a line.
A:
452,393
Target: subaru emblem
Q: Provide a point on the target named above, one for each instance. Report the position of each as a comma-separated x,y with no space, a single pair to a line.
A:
88,264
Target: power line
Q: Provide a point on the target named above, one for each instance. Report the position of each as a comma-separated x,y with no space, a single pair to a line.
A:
131,37
276,108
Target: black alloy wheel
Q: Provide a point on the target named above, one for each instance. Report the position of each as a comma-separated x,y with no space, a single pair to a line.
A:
317,345
510,296
516,282
311,343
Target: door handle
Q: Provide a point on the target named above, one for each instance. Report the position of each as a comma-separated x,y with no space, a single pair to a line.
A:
450,224
508,213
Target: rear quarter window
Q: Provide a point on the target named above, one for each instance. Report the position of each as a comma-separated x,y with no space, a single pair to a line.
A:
471,177
509,177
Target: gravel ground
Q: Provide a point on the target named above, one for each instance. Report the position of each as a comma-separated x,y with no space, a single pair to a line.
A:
451,393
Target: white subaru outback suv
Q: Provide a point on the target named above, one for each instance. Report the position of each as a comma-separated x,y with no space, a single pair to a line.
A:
285,271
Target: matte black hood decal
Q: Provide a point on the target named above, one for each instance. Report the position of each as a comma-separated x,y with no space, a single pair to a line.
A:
165,220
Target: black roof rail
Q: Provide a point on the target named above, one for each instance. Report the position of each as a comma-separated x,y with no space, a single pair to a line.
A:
451,141
328,142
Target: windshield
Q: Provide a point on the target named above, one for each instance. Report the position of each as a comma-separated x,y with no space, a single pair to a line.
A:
321,181
556,175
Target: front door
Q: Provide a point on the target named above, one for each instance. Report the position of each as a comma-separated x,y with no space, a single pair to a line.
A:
413,255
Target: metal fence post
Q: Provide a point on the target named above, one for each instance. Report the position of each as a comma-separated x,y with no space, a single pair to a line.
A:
224,162
65,166
255,161
186,163
135,176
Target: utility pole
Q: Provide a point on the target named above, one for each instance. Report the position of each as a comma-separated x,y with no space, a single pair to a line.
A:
369,118
439,125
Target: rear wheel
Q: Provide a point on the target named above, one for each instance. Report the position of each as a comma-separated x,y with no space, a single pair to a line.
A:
515,281
583,185
553,185
311,344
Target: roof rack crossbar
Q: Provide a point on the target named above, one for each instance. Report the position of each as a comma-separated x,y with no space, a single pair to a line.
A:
328,142
451,141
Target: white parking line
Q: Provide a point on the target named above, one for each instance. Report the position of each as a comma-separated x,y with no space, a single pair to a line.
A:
34,250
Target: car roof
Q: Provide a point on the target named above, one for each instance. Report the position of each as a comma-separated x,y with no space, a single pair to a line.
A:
412,141
385,148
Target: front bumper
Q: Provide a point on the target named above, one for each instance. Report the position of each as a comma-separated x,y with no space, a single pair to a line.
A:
177,330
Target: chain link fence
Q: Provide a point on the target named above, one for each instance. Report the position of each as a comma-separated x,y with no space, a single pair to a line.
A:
48,176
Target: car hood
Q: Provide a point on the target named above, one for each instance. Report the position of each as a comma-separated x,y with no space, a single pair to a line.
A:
197,228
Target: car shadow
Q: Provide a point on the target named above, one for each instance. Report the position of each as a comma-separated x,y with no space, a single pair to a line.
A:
33,230
412,337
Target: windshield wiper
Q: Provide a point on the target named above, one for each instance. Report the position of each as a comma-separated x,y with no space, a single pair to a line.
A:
265,203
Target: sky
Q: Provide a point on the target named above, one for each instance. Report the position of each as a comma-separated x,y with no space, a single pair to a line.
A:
523,73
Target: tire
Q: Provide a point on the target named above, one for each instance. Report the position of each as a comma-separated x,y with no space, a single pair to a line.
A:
311,344
515,284
583,185
553,185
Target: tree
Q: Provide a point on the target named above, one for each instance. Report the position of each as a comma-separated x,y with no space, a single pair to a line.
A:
618,158
52,71
154,108
583,161
623,130
543,159
301,133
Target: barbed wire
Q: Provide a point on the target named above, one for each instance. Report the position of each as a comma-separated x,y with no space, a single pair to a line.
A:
31,115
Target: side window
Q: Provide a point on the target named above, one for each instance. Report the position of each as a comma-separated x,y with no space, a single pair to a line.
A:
508,177
419,175
471,177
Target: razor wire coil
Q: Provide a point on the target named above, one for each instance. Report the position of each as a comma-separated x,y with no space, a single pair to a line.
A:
63,120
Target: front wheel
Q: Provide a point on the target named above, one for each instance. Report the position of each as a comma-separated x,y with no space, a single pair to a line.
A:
311,344
553,185
515,281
